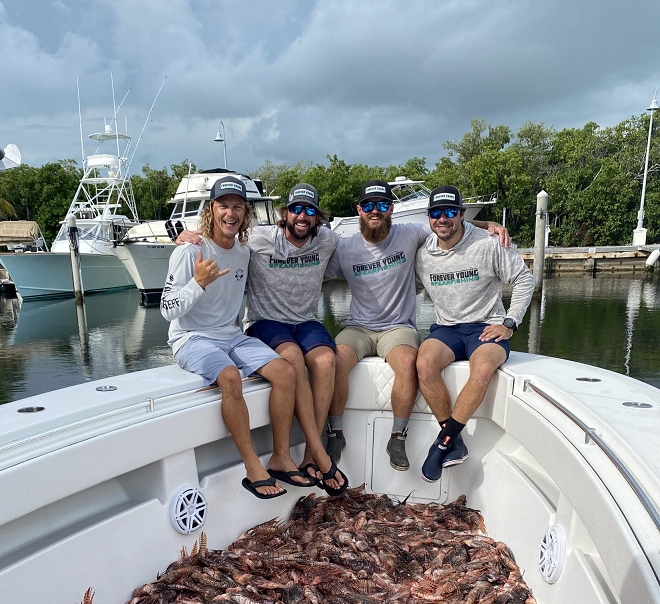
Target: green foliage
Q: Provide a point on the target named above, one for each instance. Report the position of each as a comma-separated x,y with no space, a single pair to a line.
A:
593,177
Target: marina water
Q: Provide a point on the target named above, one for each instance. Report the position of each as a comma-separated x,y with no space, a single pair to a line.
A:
608,321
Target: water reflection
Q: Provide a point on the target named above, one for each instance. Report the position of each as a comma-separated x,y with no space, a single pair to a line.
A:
609,321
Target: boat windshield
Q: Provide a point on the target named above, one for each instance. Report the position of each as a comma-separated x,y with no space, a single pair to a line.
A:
192,208
410,192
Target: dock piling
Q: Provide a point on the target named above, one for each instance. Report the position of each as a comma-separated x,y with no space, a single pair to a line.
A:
539,239
76,269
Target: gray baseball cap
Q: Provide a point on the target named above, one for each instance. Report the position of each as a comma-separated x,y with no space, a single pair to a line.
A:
228,185
304,193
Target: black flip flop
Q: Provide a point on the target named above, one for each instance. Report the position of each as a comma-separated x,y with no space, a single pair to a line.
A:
253,486
330,475
304,469
288,478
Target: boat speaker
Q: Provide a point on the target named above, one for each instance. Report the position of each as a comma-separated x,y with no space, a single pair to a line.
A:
188,510
552,553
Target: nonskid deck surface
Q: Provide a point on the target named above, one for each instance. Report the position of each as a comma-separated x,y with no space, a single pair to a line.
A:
356,547
93,476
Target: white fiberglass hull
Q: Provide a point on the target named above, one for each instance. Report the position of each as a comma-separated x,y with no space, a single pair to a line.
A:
147,264
347,226
48,274
88,482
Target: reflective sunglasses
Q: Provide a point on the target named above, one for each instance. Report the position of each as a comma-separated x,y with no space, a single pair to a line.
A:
309,210
435,213
382,206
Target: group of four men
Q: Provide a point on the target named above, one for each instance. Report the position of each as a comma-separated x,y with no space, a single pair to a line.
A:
283,267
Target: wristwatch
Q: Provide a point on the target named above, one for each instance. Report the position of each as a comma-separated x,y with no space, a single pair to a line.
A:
510,323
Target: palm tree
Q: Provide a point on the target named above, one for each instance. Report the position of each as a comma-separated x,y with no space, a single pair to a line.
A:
6,209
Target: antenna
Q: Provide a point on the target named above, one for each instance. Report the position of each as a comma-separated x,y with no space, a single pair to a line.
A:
114,111
82,147
146,121
10,157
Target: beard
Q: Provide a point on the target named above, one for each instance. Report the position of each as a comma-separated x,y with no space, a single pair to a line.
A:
375,234
291,228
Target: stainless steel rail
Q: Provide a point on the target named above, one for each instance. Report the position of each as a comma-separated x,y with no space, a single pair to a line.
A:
591,436
148,405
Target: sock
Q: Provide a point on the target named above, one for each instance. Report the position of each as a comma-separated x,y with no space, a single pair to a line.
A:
336,422
399,424
442,423
450,431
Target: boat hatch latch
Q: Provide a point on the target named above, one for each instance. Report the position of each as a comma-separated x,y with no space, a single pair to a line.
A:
637,405
106,388
552,554
188,510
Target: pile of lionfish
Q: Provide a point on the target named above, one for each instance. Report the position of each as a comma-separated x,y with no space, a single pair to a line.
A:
356,548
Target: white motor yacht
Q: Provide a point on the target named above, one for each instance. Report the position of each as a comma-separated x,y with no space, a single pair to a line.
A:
146,248
103,483
103,190
411,200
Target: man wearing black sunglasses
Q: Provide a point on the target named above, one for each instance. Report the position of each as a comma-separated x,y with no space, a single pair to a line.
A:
462,269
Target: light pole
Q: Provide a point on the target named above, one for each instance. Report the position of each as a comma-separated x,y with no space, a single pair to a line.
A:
220,138
639,234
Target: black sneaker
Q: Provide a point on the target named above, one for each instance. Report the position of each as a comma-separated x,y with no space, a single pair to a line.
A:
336,444
457,453
396,449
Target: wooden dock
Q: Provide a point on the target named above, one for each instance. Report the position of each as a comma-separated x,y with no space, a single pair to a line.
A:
606,258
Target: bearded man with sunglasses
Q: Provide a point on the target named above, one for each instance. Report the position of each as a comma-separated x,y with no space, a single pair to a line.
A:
462,269
379,265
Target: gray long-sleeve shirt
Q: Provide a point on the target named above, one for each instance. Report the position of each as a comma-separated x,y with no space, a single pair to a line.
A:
465,282
209,312
284,281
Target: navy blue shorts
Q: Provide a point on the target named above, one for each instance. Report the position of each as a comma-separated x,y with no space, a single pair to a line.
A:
463,339
307,335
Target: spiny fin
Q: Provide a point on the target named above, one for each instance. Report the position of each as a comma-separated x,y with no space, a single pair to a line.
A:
193,551
89,596
184,553
202,544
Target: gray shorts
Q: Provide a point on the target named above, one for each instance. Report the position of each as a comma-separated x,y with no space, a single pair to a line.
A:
208,357
367,342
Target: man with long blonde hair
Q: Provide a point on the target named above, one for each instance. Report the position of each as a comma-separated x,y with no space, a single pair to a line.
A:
201,299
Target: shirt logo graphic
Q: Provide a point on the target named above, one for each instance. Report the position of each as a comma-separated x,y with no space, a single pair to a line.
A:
375,189
304,261
238,275
464,276
384,264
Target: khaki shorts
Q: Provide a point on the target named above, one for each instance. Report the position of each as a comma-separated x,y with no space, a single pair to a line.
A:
366,342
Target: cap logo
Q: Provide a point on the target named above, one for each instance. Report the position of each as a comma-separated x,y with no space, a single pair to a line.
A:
444,197
375,189
304,192
231,185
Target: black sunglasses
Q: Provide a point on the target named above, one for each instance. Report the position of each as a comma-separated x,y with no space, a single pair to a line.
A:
309,210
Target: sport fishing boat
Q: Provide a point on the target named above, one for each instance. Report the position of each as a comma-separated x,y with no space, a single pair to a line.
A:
103,190
411,201
146,248
103,483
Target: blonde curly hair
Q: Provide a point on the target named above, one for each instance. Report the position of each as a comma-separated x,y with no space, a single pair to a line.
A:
206,222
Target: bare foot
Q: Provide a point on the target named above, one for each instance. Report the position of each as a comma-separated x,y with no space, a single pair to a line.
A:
324,463
284,463
259,473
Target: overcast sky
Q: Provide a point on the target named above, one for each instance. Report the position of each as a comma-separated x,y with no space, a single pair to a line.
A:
373,81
